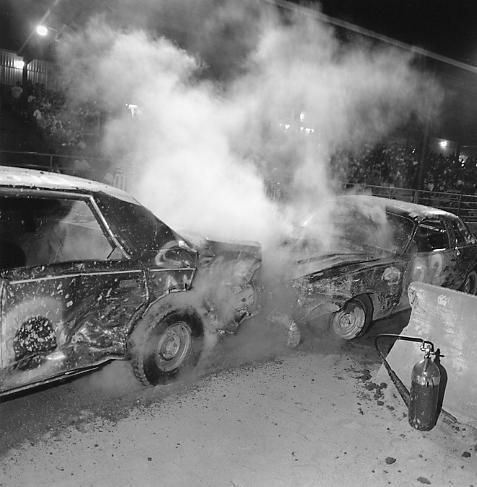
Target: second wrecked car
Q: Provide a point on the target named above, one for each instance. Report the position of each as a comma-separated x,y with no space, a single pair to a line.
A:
381,246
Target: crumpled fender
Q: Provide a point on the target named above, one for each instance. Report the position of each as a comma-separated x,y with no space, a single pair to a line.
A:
318,305
184,300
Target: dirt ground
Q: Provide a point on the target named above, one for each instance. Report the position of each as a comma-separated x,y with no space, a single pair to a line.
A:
307,417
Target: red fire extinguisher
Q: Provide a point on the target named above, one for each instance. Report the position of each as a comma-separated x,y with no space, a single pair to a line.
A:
424,395
423,399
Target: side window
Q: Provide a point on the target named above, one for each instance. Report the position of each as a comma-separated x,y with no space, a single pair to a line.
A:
43,231
462,233
431,235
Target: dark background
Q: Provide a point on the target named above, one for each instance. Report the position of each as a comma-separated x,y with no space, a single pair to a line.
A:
444,27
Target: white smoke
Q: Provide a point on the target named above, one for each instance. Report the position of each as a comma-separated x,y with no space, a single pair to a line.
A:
201,150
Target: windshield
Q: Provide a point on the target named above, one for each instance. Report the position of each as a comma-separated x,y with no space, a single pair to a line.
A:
391,235
358,229
136,227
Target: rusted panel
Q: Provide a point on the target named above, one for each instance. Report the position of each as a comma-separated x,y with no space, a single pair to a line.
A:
340,284
230,287
223,286
65,317
165,281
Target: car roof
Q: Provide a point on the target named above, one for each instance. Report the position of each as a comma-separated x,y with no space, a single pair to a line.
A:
405,208
17,177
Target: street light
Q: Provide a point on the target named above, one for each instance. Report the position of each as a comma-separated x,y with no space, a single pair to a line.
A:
42,30
18,63
443,144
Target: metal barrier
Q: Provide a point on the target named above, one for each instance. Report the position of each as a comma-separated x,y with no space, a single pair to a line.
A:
67,164
447,318
463,205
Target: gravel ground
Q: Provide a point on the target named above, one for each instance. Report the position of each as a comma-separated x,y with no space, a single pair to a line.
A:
309,417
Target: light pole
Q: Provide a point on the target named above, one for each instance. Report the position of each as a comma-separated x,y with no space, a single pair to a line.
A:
40,25
43,30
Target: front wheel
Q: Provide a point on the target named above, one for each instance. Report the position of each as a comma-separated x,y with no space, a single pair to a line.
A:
353,319
470,283
163,350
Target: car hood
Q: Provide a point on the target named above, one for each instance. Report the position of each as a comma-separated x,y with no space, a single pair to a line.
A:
309,262
210,249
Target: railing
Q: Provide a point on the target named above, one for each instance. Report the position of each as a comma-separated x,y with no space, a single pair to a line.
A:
66,164
33,160
463,205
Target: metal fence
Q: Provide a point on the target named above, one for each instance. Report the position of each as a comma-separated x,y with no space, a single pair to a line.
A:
464,205
96,168
37,71
10,69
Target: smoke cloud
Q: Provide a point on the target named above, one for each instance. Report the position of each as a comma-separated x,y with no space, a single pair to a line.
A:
232,96
229,96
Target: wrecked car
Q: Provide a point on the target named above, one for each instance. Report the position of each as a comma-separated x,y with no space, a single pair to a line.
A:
88,275
380,246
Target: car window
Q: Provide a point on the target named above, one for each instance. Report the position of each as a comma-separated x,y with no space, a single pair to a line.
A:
463,236
431,235
43,231
136,227
400,231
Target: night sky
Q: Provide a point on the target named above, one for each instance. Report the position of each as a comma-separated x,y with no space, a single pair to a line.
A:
442,26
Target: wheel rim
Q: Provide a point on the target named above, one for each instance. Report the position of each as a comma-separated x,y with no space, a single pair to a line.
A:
173,346
349,322
470,285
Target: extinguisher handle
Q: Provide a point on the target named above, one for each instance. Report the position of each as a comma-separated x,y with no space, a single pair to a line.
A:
427,347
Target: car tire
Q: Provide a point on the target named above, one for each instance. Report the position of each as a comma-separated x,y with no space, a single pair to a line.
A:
470,283
353,319
162,351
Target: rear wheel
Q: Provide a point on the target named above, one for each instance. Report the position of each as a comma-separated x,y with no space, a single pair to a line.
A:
470,283
161,351
353,319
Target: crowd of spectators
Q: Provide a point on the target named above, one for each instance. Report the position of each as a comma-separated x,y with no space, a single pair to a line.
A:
69,128
397,165
390,164
75,129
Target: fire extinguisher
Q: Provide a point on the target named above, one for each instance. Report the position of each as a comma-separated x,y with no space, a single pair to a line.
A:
423,399
424,395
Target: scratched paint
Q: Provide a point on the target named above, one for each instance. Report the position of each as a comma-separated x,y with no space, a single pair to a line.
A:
341,283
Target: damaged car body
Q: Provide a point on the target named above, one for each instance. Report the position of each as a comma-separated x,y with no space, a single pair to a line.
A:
382,246
87,275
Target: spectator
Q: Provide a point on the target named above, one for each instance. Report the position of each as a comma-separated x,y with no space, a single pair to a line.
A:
16,92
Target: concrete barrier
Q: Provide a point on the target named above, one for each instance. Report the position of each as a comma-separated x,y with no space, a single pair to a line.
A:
448,319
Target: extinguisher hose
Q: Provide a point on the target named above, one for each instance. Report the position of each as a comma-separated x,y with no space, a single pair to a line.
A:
402,389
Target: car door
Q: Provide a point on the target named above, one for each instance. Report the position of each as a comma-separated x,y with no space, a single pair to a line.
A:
433,258
465,250
68,289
